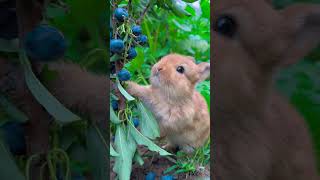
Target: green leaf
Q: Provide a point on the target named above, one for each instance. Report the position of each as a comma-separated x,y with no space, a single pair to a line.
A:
189,1
112,151
97,154
43,96
170,169
126,147
113,117
149,126
137,158
142,140
177,9
124,92
9,169
9,45
12,111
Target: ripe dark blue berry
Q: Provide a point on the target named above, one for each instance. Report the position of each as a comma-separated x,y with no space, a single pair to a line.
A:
136,30
124,75
114,105
14,137
142,40
132,53
113,138
78,177
120,14
136,122
45,43
116,46
167,177
151,176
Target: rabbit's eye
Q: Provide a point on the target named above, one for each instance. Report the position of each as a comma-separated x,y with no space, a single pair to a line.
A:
180,69
226,26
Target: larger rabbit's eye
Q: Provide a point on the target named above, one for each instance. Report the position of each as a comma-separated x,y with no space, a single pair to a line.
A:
226,26
180,69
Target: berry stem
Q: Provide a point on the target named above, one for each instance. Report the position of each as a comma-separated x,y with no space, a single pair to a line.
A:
144,12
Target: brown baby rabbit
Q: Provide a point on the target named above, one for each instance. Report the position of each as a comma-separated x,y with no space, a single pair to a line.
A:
258,135
181,111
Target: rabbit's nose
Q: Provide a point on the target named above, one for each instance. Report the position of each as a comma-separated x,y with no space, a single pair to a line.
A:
159,69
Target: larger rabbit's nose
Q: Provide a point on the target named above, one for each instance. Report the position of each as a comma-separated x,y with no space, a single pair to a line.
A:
159,69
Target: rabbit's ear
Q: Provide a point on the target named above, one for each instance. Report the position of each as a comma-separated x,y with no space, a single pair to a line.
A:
304,20
204,71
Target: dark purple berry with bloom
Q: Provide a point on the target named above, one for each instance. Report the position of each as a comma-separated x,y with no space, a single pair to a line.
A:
136,30
120,14
132,53
124,75
116,46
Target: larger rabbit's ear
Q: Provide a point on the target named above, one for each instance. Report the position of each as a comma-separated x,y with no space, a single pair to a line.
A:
204,71
304,21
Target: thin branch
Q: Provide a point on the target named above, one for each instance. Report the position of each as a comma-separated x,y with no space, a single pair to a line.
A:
144,12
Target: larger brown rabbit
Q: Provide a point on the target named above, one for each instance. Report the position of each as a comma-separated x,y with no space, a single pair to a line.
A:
257,134
181,111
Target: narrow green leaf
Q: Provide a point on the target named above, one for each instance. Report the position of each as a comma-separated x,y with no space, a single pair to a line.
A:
113,116
149,126
97,154
12,111
114,97
9,169
137,158
170,169
43,96
124,92
112,151
177,9
125,146
142,140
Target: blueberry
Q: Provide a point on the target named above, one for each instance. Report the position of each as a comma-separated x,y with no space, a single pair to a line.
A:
167,177
78,177
45,43
136,122
113,138
114,105
120,14
14,137
151,176
136,30
116,46
142,39
124,75
132,53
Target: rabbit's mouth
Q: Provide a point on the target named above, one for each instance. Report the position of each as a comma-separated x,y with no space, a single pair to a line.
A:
155,79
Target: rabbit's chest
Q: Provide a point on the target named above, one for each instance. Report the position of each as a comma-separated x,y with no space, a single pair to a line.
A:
168,115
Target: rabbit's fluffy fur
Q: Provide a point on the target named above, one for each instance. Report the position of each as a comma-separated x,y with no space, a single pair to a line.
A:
180,110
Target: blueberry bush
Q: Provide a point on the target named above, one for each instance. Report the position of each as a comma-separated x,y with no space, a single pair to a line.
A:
141,32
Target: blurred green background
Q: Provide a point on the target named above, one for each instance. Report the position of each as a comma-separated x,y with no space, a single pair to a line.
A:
301,84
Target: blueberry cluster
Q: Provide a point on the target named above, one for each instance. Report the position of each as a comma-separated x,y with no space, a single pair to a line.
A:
123,43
